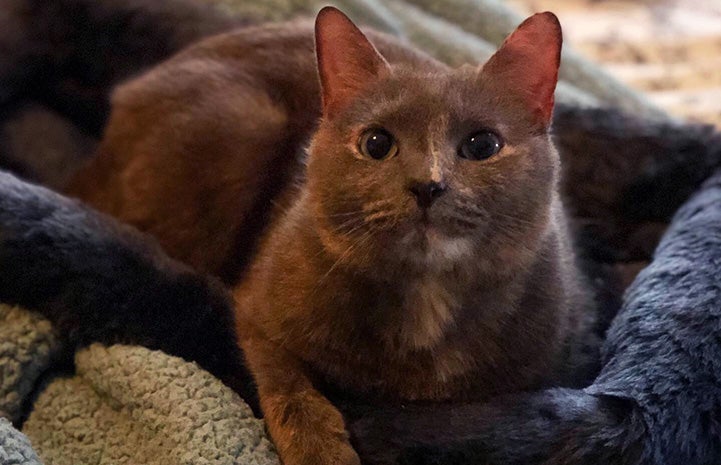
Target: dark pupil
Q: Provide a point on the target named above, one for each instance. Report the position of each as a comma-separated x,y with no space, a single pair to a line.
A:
480,146
379,144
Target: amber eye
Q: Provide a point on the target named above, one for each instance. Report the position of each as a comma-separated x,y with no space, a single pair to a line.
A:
480,146
377,144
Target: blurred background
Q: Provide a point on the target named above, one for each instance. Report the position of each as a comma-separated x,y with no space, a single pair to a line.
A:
657,60
671,49
668,49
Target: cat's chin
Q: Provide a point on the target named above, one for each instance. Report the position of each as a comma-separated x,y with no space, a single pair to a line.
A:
430,245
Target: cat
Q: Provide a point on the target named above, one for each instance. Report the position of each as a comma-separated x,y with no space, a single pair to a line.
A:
420,253
82,299
99,281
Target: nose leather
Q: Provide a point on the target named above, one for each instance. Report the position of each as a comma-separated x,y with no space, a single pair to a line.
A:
427,192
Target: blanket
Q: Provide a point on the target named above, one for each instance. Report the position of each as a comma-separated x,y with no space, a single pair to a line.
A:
127,404
657,399
15,447
131,404
123,404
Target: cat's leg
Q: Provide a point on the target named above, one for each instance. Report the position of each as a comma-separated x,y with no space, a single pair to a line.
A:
305,427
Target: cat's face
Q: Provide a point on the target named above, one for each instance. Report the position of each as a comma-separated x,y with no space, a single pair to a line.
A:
430,167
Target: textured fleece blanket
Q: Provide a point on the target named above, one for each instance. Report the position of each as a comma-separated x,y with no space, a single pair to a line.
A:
125,404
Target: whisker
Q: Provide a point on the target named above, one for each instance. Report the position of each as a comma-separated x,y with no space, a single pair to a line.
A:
379,215
375,203
342,256
464,222
353,228
515,219
338,215
472,210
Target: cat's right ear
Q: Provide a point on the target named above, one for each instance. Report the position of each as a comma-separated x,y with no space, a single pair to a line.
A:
347,61
527,64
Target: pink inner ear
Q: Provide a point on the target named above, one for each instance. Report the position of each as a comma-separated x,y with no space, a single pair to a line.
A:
527,64
347,61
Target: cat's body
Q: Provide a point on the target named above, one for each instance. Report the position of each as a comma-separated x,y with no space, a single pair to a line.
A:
431,275
240,108
422,336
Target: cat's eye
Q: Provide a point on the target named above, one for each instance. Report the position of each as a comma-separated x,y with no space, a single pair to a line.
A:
480,146
377,144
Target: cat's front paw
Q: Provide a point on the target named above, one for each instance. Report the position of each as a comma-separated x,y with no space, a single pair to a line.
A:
330,453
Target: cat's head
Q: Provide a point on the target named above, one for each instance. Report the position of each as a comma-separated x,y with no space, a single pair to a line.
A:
425,165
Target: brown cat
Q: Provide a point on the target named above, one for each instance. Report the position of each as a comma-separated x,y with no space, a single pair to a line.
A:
420,253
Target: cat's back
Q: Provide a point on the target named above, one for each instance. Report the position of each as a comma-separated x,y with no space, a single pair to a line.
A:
198,148
195,145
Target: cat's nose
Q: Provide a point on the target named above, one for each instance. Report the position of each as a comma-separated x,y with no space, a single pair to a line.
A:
427,192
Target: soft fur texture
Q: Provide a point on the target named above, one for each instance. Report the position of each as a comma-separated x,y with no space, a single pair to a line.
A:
635,174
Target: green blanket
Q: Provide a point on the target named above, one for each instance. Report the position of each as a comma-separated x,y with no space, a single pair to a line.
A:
124,405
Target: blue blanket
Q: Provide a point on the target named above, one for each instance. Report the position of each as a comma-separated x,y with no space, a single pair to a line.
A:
663,351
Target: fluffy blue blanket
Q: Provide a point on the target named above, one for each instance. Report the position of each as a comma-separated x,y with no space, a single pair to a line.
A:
663,351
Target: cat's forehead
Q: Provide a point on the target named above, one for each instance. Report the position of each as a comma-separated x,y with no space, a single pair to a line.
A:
423,100
405,89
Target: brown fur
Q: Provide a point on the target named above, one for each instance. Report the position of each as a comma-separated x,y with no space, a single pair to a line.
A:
353,285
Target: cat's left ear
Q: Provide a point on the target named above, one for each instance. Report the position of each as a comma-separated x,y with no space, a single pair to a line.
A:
527,64
347,61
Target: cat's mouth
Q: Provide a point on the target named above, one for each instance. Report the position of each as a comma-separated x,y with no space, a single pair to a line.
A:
431,227
437,226
428,230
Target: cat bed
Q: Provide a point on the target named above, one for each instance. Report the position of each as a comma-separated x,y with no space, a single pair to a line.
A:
129,404
663,351
133,405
